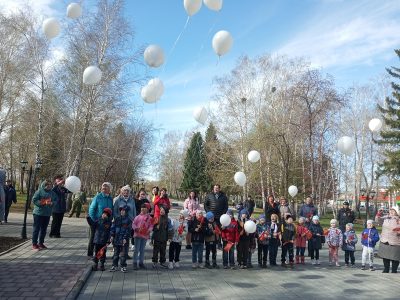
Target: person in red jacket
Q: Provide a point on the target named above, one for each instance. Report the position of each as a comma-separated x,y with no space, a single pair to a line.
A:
161,200
230,238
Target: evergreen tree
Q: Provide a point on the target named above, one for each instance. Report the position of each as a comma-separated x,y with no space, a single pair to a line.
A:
212,148
194,168
391,136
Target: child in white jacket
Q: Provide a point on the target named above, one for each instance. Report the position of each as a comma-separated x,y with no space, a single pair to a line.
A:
180,228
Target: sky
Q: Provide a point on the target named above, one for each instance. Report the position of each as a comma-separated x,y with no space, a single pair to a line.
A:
352,40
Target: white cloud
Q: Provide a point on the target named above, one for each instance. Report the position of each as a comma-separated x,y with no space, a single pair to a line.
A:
39,7
359,34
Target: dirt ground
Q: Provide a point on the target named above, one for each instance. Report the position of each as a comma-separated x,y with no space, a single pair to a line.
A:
7,242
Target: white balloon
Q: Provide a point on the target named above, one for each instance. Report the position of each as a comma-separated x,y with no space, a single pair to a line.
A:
74,11
225,220
154,56
250,226
346,145
92,75
240,178
200,114
192,6
73,184
375,125
253,156
213,4
293,190
222,42
51,27
153,91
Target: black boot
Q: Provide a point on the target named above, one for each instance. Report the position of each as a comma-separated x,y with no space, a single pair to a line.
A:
395,265
207,264
214,265
386,265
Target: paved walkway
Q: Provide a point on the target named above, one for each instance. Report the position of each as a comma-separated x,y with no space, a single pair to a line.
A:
60,272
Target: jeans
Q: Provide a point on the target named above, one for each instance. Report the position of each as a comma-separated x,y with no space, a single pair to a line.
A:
40,224
287,248
56,224
273,251
211,247
300,251
262,253
140,244
228,256
174,251
120,252
197,252
348,253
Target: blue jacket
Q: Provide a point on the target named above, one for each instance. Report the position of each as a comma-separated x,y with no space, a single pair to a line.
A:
41,208
308,211
102,231
369,237
121,230
349,240
98,204
120,201
61,205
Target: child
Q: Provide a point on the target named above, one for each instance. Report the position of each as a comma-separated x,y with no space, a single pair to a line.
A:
142,226
288,233
180,229
315,243
301,240
274,240
101,238
369,238
334,239
349,244
162,232
197,229
243,246
120,233
263,238
230,237
212,234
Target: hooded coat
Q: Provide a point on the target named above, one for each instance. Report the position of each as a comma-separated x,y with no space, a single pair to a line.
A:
44,201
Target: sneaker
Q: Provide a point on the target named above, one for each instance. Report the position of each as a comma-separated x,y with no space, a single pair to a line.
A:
194,266
164,265
241,267
35,247
313,262
154,266
142,266
337,264
215,266
133,247
346,265
177,265
113,269
371,268
201,266
42,246
225,267
362,267
233,267
353,265
283,264
317,262
207,265
124,270
170,265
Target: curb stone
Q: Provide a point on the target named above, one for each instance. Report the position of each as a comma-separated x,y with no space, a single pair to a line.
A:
74,293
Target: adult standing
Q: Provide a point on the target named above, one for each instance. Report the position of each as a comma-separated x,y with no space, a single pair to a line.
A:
161,200
345,215
216,202
389,247
44,200
78,199
124,199
2,194
60,207
99,202
284,208
154,191
271,208
307,211
191,204
249,204
11,197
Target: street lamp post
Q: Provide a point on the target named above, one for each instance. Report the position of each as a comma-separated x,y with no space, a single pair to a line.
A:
38,165
24,164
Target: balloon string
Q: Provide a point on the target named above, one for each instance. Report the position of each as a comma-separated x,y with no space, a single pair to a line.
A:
219,56
175,43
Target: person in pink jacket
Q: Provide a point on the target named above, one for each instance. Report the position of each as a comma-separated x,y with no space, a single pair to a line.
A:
191,204
142,226
334,239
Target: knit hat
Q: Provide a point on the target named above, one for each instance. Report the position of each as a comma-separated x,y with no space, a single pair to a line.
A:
261,217
315,218
370,222
148,206
288,216
229,212
108,211
209,215
124,207
350,225
333,221
346,203
396,209
244,211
